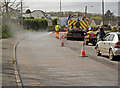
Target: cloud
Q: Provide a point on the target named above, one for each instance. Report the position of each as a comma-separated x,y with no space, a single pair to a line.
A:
71,0
73,6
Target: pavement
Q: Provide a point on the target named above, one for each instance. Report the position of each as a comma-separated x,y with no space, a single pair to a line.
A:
8,76
7,66
43,62
0,63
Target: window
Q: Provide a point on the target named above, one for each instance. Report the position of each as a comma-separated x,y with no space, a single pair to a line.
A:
106,37
111,37
119,37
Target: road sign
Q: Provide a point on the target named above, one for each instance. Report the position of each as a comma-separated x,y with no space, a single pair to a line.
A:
93,24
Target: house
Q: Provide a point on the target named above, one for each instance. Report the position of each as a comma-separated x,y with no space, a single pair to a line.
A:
38,14
35,14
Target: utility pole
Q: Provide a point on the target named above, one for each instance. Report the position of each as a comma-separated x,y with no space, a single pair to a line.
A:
112,14
60,12
21,13
119,15
86,11
103,12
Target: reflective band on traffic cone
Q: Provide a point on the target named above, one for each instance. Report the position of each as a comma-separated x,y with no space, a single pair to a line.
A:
82,51
64,35
62,42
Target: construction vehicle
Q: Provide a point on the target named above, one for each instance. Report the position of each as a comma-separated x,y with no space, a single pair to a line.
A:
77,26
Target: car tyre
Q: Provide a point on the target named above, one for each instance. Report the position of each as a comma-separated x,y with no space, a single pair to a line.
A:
111,55
98,51
94,44
68,38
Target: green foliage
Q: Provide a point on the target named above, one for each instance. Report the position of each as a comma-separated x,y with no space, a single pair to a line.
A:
106,32
114,29
108,15
35,24
96,18
5,31
28,11
30,18
118,23
4,35
54,21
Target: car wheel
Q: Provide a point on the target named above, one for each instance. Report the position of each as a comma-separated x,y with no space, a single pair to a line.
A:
111,55
68,38
94,44
98,51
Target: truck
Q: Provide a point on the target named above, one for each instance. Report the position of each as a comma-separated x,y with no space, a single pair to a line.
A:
77,26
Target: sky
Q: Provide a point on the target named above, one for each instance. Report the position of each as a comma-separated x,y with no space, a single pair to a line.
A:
71,0
71,5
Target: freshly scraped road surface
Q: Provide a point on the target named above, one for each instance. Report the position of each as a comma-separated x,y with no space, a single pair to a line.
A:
43,62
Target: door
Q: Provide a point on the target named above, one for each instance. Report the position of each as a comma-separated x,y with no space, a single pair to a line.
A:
103,43
109,43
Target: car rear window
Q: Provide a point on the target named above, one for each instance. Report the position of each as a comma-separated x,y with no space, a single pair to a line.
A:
119,36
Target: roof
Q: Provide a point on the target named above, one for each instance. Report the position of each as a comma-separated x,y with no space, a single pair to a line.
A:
38,14
35,14
115,32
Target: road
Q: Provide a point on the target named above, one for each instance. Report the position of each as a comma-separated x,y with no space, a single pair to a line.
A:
43,62
91,53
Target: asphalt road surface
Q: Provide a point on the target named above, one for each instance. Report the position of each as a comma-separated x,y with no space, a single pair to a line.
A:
43,62
91,53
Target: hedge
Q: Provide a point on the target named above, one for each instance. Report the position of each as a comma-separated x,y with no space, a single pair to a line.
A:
54,21
5,32
35,24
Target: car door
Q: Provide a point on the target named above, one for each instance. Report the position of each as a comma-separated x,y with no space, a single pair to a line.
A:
103,43
108,43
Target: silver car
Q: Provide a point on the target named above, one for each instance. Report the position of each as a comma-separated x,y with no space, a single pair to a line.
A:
110,45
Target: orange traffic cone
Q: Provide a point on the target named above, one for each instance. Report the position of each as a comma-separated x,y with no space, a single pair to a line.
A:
64,35
82,51
62,42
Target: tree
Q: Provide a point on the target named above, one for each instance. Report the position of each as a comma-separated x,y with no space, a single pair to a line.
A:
108,15
54,21
28,11
96,18
10,8
10,4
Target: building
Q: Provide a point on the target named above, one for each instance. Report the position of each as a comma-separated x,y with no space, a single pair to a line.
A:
36,14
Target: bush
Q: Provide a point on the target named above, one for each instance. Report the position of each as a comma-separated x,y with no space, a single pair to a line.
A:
54,21
29,18
35,24
5,31
106,32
